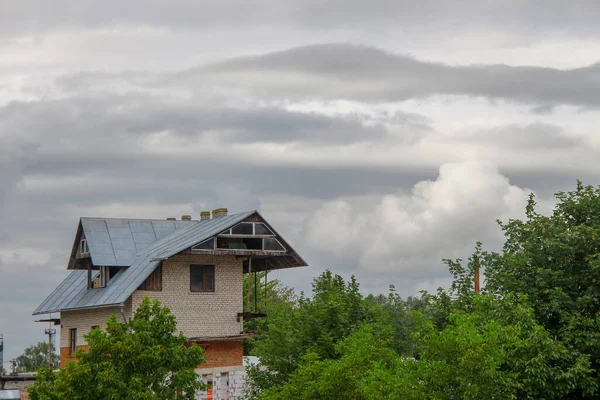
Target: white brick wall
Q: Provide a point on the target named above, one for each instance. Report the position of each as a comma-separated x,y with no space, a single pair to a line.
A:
198,313
83,320
201,313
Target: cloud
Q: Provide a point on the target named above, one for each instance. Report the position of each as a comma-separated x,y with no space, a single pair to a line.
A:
369,74
537,135
409,234
33,16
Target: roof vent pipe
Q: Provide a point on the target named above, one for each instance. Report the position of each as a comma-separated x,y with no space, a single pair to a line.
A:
219,212
204,215
171,219
186,217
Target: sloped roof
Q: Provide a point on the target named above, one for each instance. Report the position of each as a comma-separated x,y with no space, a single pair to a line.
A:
73,294
116,242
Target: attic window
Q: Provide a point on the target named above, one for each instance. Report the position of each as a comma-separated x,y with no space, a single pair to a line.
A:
206,245
83,247
261,229
249,229
272,244
243,228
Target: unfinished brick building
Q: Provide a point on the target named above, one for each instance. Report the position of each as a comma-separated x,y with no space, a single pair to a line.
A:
195,267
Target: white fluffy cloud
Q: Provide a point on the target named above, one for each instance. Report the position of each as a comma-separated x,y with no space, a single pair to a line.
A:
413,232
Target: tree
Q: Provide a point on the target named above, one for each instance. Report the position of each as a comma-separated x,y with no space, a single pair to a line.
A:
309,325
35,356
142,358
495,351
555,261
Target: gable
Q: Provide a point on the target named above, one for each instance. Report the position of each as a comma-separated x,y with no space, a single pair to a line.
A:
253,236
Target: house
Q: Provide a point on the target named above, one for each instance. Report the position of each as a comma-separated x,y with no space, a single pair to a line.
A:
195,267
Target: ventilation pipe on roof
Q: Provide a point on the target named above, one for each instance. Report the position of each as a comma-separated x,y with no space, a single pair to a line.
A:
171,219
204,215
219,212
186,217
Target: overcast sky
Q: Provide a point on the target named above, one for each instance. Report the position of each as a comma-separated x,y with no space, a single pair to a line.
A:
378,137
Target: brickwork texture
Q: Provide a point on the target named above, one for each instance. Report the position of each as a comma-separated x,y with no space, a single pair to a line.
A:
199,314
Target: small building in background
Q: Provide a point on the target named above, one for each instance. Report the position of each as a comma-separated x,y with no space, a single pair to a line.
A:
194,267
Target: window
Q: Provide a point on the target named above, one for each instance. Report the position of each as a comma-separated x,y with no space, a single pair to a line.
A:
243,228
202,278
94,327
261,229
83,247
72,340
271,244
101,279
249,228
206,245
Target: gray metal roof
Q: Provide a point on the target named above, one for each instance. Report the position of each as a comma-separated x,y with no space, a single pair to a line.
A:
116,242
73,294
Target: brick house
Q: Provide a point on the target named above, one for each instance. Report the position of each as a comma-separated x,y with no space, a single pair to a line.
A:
195,267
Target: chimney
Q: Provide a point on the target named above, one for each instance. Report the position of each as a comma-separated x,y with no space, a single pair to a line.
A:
219,212
204,215
171,219
186,217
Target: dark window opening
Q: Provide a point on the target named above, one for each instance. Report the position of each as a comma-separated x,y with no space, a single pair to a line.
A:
72,340
273,245
95,327
229,243
112,271
243,228
261,229
206,245
202,278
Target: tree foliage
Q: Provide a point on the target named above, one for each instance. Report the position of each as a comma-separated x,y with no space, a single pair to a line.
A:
34,357
143,358
555,261
534,333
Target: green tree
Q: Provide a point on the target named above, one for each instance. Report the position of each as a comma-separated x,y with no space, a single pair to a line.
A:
495,351
142,358
555,260
310,325
34,357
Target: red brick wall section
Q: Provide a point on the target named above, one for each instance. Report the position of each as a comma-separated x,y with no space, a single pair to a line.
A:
218,354
66,356
222,354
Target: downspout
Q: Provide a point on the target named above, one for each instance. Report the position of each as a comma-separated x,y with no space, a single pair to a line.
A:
123,312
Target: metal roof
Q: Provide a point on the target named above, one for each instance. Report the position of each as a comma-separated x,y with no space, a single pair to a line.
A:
73,294
116,242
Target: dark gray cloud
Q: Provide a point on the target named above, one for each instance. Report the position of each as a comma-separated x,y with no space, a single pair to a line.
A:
345,71
34,16
128,116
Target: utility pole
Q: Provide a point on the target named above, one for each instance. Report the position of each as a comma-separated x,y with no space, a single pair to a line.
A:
50,332
1,353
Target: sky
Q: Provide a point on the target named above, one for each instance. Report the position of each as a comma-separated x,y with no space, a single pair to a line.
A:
377,137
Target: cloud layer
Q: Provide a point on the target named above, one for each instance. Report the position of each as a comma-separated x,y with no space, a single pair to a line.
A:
377,137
